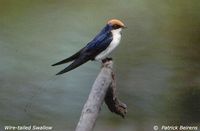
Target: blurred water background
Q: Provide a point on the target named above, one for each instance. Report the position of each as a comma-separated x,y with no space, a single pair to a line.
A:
157,63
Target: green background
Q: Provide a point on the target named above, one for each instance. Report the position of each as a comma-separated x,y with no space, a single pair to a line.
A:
157,63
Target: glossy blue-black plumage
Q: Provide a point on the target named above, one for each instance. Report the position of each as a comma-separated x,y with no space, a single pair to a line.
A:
102,40
90,51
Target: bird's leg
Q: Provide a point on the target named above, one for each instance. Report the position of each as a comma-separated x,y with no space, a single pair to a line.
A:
107,59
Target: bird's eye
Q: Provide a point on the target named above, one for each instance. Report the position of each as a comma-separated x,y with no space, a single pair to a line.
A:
116,26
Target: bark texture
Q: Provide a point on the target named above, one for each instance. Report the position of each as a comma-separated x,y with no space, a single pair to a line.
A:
104,88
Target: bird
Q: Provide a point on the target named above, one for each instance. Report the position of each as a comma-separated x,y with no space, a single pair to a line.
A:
98,48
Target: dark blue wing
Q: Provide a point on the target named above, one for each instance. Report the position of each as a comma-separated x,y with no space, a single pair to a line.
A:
99,43
90,51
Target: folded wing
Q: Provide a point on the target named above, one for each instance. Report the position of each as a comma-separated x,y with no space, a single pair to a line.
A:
89,52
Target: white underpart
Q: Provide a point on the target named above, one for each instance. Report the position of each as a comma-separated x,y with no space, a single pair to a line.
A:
114,43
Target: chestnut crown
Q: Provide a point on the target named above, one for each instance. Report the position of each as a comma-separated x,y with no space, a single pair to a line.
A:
116,24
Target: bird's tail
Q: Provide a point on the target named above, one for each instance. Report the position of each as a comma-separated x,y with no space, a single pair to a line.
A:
74,65
71,58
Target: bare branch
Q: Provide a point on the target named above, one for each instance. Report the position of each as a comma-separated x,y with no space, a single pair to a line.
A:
104,88
96,97
112,101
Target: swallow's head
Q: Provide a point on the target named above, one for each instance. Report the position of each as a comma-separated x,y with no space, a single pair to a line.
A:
116,24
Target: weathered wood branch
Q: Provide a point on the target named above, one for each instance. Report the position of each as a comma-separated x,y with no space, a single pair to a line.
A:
112,101
102,89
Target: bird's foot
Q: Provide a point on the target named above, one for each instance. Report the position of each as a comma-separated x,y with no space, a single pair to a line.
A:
106,62
107,59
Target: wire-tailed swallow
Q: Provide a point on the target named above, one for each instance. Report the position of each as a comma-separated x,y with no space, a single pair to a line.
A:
99,48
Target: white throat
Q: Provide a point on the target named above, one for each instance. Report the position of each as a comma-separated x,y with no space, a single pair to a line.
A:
117,35
114,43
